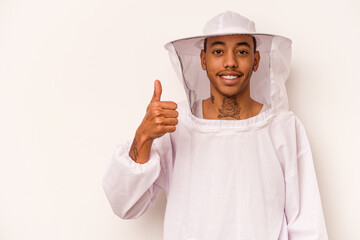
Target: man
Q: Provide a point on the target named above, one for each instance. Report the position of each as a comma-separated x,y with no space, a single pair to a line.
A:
235,164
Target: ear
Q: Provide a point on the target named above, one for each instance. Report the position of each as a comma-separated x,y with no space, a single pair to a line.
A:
256,61
202,59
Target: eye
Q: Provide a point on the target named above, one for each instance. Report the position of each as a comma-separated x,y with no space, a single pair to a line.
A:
217,52
243,52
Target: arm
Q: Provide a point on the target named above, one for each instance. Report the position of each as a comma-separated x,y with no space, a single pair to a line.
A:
160,118
131,187
136,173
303,208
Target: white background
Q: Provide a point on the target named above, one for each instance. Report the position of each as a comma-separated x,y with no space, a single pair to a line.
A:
77,75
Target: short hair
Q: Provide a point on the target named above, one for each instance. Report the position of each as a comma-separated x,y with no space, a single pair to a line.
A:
254,41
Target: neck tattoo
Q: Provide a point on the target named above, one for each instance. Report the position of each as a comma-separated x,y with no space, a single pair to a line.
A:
229,108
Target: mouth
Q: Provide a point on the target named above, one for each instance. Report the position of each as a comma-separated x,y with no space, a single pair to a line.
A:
230,78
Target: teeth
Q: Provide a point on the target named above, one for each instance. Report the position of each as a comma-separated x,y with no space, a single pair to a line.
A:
229,76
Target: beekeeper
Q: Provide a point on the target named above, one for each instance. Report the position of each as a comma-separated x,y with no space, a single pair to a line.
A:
234,162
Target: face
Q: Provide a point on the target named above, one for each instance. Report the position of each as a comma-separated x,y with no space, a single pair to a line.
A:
229,62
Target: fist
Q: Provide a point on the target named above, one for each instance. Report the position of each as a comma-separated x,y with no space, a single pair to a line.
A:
160,117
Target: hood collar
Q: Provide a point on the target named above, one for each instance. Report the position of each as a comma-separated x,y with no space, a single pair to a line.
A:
267,84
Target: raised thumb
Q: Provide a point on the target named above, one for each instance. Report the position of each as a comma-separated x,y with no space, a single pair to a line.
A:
157,91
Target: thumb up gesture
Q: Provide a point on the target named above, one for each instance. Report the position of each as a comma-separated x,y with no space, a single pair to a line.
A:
160,118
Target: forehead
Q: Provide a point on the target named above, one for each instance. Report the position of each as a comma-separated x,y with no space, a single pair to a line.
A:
231,39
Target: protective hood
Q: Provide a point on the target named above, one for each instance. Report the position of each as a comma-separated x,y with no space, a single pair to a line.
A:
267,84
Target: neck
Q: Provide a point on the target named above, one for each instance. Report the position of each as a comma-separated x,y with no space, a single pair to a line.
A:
236,107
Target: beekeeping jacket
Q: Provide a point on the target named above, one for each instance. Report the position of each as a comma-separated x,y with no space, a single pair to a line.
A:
250,179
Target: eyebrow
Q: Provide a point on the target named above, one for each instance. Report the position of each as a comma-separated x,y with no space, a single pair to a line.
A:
223,43
243,43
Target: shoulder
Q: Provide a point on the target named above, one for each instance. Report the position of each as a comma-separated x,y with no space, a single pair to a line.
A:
286,119
287,126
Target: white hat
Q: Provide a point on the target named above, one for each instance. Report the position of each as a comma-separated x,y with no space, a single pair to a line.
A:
227,23
267,84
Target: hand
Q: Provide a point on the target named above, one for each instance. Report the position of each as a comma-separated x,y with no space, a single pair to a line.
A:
160,117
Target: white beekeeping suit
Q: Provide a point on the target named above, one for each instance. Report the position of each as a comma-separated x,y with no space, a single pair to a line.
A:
250,179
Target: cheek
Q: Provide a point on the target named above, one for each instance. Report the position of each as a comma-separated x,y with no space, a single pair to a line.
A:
247,65
212,65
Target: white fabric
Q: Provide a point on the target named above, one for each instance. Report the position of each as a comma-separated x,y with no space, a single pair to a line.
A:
228,24
250,179
267,83
255,183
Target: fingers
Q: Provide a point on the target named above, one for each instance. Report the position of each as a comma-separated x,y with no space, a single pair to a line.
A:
163,113
161,116
157,91
170,121
164,105
161,126
169,114
168,105
170,129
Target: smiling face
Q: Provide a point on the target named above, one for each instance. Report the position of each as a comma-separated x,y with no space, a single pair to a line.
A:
229,62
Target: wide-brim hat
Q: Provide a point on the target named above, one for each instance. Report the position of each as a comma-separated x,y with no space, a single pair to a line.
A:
275,53
227,23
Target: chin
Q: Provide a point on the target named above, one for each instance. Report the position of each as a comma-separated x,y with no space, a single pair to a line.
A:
230,92
235,90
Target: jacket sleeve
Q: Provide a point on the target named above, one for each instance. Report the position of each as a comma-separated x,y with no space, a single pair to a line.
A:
131,187
303,209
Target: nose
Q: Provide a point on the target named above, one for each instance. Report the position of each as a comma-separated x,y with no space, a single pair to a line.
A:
230,60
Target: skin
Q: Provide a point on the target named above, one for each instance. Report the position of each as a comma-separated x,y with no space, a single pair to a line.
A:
160,118
229,100
230,55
